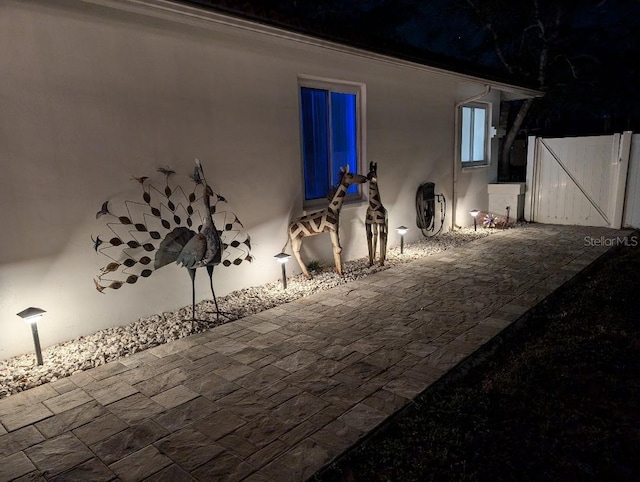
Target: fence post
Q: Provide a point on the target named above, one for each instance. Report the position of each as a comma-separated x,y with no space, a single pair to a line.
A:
622,162
530,189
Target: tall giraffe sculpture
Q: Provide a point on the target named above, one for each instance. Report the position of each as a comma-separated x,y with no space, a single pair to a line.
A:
325,221
377,218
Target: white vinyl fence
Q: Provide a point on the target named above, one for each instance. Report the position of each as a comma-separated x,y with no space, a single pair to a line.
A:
588,181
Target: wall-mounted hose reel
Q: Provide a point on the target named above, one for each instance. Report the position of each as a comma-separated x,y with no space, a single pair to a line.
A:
426,200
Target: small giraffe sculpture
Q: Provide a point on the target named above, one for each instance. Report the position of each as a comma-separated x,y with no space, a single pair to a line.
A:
325,221
377,218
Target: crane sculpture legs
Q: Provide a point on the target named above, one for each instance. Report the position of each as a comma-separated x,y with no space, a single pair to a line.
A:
210,271
192,275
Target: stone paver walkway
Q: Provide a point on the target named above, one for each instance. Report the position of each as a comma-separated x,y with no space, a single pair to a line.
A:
278,395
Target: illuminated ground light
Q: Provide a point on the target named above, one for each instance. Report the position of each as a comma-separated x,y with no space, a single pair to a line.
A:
282,258
402,230
31,315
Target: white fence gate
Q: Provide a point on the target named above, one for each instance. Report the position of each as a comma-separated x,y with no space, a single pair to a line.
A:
583,181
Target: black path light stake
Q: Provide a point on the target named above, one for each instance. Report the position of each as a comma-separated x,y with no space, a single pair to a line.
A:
31,315
402,230
282,258
475,213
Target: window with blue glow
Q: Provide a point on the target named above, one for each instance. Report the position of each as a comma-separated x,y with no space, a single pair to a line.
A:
473,139
329,124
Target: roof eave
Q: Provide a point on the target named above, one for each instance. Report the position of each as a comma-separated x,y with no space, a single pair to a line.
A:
203,17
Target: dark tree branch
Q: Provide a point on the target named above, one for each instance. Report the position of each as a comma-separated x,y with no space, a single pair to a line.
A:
494,35
513,132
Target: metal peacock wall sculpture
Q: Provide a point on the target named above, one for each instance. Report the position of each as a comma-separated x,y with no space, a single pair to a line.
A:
160,229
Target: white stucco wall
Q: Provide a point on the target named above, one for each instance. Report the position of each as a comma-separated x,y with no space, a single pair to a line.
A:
91,95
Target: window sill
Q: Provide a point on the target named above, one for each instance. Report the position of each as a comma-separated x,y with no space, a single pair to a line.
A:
473,167
320,204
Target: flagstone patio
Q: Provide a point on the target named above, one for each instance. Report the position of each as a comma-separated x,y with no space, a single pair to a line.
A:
278,395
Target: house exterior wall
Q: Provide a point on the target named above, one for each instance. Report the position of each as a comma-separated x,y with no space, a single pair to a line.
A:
92,95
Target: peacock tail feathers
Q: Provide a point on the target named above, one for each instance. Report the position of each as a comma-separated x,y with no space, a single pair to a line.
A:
164,213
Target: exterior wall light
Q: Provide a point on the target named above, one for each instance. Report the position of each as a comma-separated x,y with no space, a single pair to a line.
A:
31,315
402,230
282,258
475,213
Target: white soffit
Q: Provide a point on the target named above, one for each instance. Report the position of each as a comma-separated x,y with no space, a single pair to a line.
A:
177,12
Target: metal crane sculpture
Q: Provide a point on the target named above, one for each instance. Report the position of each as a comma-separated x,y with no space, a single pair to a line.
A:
325,221
191,250
377,218
164,223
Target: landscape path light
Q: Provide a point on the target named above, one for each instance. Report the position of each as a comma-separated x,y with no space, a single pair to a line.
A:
402,230
475,213
282,258
31,315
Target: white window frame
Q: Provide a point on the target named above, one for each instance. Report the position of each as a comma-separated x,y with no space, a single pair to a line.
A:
467,133
345,87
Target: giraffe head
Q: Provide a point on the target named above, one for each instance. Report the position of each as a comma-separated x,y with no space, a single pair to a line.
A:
373,172
347,178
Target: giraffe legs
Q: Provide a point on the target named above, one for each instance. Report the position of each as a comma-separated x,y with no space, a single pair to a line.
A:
337,250
296,243
373,231
383,241
372,253
375,243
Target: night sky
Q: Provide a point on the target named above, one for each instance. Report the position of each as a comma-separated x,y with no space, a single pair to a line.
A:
592,47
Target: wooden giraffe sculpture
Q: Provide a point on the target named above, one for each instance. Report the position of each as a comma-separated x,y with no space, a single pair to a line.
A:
325,221
376,218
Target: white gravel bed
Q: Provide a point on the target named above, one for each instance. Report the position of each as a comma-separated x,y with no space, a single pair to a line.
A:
61,360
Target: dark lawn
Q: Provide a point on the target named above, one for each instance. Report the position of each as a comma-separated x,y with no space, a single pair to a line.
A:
556,399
